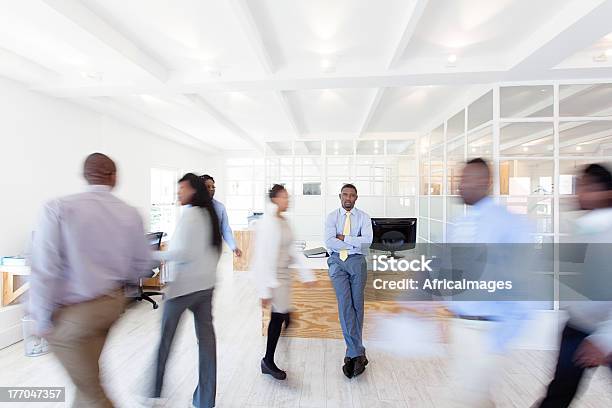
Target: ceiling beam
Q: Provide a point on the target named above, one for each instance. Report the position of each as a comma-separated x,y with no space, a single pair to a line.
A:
19,68
87,20
203,105
409,28
145,122
251,30
371,110
577,26
296,126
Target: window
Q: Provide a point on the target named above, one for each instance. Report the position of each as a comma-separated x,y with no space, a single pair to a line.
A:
164,211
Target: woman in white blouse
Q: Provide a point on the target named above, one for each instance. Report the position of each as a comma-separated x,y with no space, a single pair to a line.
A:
192,258
274,251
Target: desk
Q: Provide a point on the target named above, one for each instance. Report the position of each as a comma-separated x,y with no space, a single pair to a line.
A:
315,312
13,285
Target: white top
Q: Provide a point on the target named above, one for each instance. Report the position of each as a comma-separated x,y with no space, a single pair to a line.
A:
192,256
264,263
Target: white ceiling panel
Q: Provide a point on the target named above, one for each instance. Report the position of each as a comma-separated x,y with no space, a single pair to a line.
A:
188,119
260,114
331,112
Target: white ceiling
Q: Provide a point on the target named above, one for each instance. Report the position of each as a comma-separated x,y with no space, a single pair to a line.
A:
230,75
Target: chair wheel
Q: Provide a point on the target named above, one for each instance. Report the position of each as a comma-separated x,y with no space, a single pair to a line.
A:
155,306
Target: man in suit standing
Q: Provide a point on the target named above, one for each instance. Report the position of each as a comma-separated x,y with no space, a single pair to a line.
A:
347,231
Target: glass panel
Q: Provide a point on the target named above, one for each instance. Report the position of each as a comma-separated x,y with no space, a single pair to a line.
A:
454,208
585,138
436,208
424,175
401,207
307,167
526,101
370,167
526,177
370,147
280,148
455,125
538,209
370,187
480,143
526,139
308,148
401,186
339,167
585,100
401,147
437,136
339,147
455,160
423,206
437,171
436,229
480,111
423,228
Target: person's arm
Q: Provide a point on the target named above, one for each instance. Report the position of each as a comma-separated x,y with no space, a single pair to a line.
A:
602,336
366,233
331,242
46,263
306,274
226,230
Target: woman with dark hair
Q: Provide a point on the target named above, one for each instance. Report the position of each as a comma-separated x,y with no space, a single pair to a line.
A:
192,259
273,253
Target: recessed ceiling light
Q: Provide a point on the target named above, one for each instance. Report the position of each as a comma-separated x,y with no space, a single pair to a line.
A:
578,148
96,76
327,65
525,148
375,151
452,58
473,150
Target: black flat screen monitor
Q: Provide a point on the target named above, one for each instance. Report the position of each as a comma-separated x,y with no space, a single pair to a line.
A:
394,234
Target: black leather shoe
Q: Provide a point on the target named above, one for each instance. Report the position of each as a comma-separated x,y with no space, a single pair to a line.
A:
347,368
273,371
359,365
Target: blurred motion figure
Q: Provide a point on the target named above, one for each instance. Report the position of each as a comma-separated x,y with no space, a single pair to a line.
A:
586,341
86,246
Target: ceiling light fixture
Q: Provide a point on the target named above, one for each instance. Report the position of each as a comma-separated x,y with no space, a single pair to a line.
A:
327,66
525,148
452,60
578,148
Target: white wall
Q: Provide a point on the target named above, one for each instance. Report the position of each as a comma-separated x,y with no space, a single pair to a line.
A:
43,142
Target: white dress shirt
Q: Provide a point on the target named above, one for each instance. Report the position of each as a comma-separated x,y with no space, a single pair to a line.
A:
85,246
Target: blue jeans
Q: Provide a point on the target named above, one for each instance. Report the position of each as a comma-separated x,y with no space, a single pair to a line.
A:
349,279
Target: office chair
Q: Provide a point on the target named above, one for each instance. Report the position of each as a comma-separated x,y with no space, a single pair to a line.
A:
154,239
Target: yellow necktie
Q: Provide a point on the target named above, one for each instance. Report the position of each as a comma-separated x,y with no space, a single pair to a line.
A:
346,231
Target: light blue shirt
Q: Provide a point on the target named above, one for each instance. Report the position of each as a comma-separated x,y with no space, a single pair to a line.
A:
226,230
489,223
85,246
361,231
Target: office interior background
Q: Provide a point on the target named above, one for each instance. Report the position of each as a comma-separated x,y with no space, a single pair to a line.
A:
393,96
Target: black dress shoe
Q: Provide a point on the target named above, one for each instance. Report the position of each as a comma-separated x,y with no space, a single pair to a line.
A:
347,368
272,370
359,365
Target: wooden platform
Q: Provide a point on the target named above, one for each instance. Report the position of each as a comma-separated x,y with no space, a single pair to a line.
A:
315,310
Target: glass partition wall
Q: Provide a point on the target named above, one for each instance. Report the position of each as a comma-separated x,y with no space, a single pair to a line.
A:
313,171
536,137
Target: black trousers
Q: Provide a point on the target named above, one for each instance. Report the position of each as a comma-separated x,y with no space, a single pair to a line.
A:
563,387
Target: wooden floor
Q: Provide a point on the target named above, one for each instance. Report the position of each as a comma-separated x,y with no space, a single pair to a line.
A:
313,366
